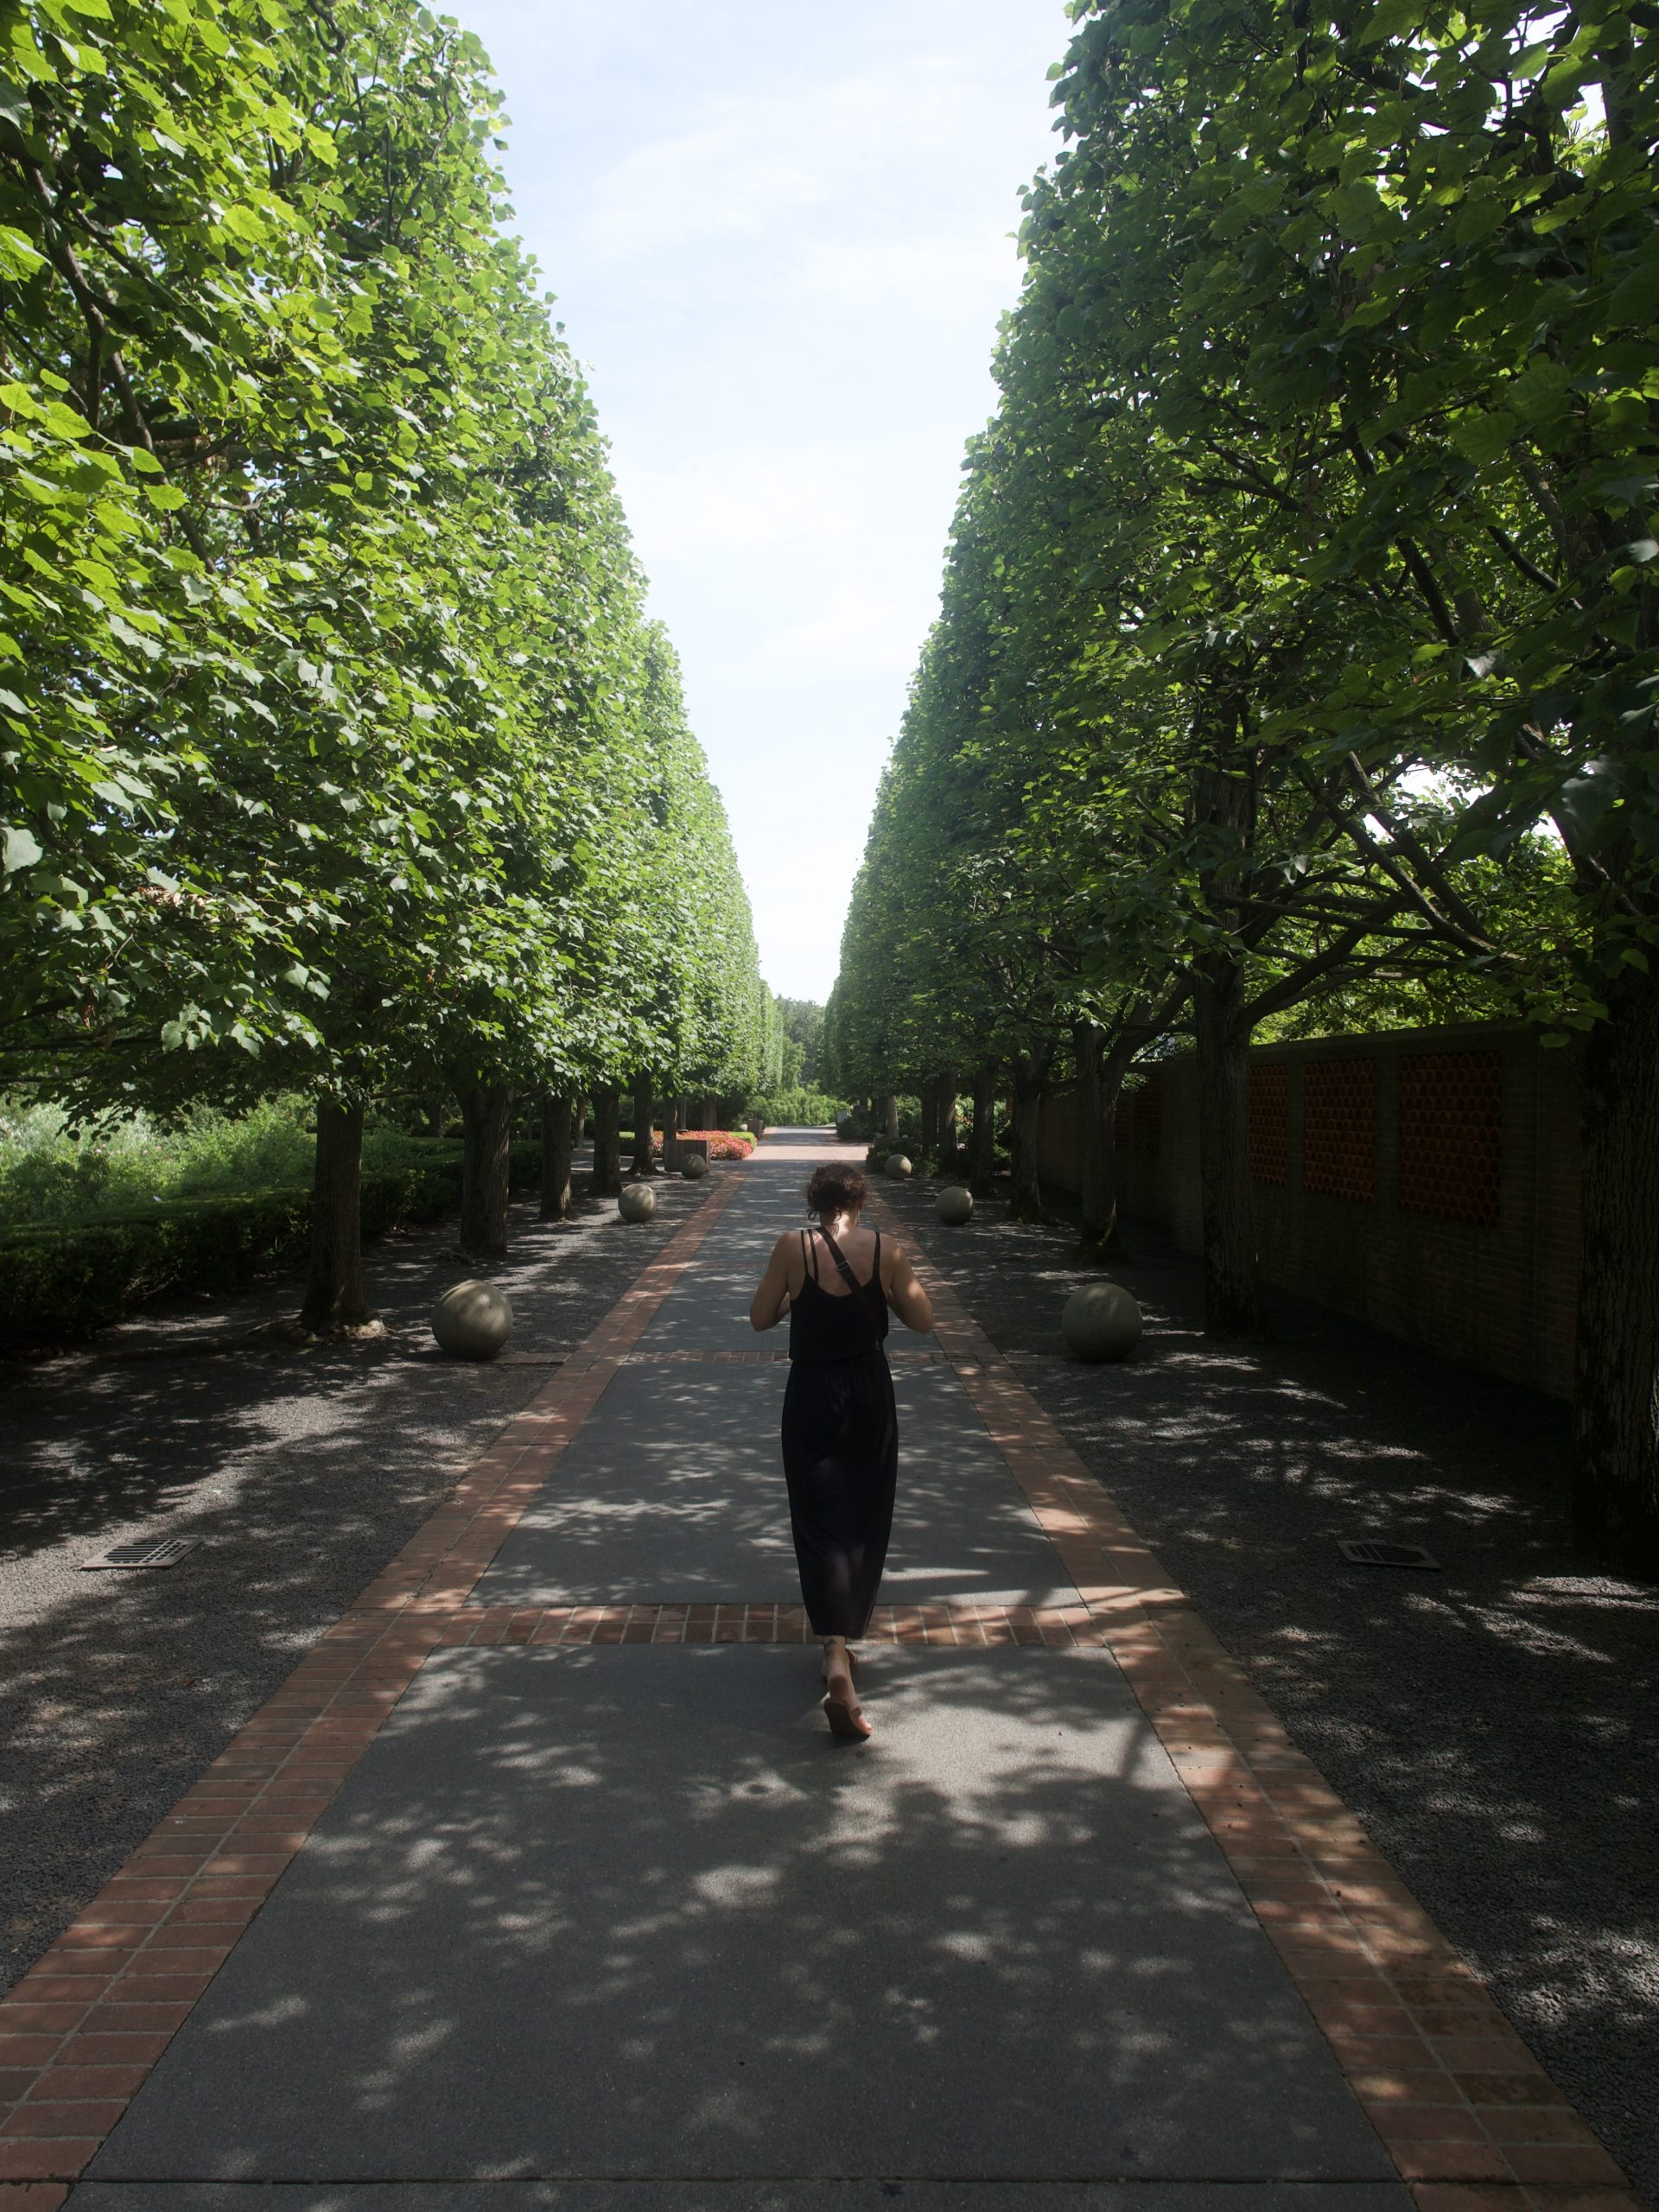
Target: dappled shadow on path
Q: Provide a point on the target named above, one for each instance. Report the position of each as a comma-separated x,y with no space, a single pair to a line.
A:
1496,1723
632,1912
299,1471
678,1491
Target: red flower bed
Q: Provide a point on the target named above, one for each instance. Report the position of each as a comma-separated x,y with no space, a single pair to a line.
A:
723,1144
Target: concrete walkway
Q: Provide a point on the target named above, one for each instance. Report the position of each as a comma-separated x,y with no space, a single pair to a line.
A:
543,1884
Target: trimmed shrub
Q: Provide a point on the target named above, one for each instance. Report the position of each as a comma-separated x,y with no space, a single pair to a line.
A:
797,1108
63,1280
723,1144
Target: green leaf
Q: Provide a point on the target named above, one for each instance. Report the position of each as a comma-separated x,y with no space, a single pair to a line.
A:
18,258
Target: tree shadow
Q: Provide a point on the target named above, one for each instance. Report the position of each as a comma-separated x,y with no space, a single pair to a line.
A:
630,1913
300,1469
1496,1723
677,1492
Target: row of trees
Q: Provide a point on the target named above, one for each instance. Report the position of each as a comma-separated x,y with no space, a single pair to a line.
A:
1300,638
336,750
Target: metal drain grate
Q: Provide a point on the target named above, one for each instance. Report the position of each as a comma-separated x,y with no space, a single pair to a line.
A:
166,1552
1368,1551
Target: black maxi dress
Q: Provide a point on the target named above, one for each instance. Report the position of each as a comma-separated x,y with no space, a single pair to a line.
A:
840,1446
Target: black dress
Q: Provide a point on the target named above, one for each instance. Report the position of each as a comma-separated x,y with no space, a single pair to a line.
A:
840,1446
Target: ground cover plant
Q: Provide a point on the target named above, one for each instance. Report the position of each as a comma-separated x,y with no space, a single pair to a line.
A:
92,1225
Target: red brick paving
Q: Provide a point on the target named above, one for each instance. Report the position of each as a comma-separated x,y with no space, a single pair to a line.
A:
964,1621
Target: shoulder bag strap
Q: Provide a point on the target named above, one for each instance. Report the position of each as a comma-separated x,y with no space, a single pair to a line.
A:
853,1283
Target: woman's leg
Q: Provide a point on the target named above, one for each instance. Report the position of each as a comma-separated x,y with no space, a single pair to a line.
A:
840,1698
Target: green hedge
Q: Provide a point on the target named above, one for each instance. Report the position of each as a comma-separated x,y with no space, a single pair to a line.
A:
63,1282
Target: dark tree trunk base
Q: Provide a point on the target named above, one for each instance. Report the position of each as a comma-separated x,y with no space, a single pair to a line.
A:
607,1180
335,1304
1024,1187
1616,1462
644,1131
1232,1291
558,1137
1100,1078
981,1144
486,1113
1109,1250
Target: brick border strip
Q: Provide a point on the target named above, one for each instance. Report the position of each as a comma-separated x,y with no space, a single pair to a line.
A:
679,1355
963,1622
1470,2118
83,2027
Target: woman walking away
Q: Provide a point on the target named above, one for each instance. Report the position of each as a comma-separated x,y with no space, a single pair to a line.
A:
841,1430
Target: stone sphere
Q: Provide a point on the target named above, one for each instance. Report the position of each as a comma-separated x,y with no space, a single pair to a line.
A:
693,1167
473,1321
898,1164
1101,1321
637,1203
955,1206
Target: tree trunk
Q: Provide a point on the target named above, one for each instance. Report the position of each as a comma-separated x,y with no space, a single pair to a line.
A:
671,1135
435,1118
981,1152
950,1140
486,1118
1616,1469
1100,1078
1025,1188
607,1143
1232,1289
644,1129
334,1289
889,1114
558,1138
931,1118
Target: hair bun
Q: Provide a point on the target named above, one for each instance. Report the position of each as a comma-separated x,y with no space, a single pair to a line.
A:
836,1188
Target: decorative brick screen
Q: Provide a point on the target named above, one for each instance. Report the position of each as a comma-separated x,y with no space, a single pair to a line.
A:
1270,1119
1451,1133
1339,1128
1149,1115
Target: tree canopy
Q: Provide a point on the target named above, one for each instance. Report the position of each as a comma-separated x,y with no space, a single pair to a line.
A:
338,748
1297,646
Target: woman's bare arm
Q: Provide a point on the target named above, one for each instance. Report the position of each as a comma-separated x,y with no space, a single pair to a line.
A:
772,1300
907,1298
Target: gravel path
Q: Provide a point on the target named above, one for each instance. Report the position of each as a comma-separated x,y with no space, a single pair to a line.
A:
1495,1725
300,1470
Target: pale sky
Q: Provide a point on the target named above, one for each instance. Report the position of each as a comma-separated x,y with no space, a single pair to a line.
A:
780,239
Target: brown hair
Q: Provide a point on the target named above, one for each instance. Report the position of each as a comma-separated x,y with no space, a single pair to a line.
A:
836,1189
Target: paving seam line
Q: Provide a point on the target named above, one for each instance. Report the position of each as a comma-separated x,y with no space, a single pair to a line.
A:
968,1623
81,2031
1469,2117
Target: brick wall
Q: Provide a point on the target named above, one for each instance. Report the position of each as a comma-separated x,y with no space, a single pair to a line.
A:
1426,1181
